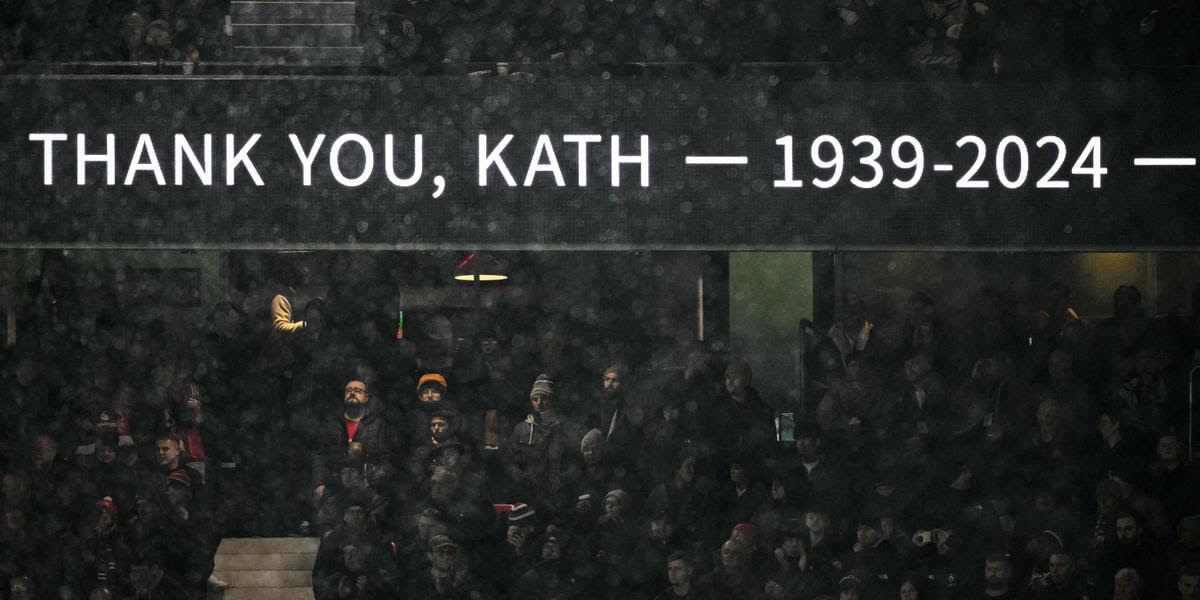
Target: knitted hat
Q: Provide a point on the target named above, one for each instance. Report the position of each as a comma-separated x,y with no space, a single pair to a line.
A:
619,494
107,504
441,541
432,378
748,532
520,512
179,476
542,386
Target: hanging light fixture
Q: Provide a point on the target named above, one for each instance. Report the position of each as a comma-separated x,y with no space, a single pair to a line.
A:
479,266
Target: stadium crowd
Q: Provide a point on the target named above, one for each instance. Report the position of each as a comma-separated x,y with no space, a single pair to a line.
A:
1014,458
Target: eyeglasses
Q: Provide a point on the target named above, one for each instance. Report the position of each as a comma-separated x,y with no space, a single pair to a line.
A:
355,390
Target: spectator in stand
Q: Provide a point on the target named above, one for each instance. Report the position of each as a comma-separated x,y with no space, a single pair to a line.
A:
1127,585
791,568
740,423
535,452
685,498
431,396
448,576
618,419
1061,581
680,568
553,576
1118,338
731,578
356,423
997,579
442,447
1119,455
1132,551
1171,481
1188,582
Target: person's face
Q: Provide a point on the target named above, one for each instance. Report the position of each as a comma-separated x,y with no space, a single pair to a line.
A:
106,454
355,393
732,555
792,547
816,522
778,492
773,591
442,486
45,454
678,572
850,594
355,518
489,346
439,428
431,394
20,588
613,507
687,470
612,383
591,453
551,551
808,447
737,474
444,557
736,381
1123,589
168,453
352,478
660,529
1168,449
1127,530
540,403
1060,568
908,591
996,574
1107,426
867,535
1189,587
916,367
355,560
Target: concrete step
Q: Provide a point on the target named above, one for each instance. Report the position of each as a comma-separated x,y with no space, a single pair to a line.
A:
269,546
292,593
294,34
264,562
293,55
243,11
266,579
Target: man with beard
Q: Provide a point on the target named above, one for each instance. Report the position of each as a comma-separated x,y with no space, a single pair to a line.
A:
355,424
1188,583
740,423
618,422
1060,581
997,579
534,454
1133,551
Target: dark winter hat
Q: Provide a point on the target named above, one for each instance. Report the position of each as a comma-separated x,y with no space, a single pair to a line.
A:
442,541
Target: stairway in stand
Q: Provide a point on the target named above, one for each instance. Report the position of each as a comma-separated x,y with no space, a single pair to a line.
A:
266,568
315,32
